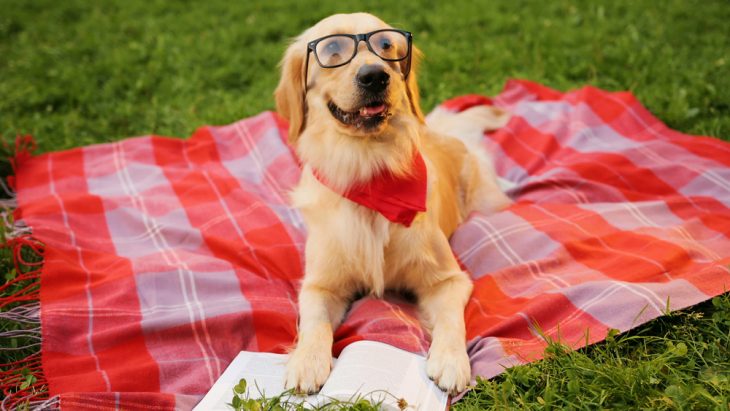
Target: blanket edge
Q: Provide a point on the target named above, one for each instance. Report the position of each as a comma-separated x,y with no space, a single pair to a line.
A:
22,382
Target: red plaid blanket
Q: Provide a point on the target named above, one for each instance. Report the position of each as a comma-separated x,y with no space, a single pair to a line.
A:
166,257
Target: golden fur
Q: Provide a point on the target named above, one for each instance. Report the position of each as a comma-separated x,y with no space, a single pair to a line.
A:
351,248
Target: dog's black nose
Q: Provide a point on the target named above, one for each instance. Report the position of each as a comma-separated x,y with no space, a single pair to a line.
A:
372,78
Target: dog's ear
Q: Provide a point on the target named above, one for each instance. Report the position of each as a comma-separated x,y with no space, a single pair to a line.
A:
289,93
414,97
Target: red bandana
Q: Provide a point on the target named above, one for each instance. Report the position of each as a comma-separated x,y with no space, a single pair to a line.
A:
398,199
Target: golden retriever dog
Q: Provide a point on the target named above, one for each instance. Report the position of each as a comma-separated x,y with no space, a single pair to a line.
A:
348,88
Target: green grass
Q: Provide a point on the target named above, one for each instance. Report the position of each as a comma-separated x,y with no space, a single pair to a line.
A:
79,72
680,361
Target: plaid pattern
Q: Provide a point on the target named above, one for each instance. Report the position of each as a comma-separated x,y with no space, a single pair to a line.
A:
166,257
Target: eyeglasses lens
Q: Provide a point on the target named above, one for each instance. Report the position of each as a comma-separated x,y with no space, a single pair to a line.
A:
335,50
389,45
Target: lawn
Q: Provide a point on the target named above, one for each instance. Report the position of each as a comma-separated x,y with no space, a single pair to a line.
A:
74,73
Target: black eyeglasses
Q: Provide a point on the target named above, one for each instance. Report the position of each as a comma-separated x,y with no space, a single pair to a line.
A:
337,50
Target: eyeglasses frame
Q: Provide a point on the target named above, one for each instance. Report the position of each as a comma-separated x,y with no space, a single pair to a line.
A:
312,47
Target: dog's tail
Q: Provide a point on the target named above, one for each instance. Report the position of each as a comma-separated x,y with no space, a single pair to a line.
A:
469,126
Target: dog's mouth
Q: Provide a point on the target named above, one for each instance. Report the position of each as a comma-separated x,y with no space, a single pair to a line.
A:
368,117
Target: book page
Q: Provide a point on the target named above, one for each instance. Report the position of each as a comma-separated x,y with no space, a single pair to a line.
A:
381,372
264,374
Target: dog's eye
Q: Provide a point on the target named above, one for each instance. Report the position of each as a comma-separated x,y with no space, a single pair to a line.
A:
332,47
335,50
389,44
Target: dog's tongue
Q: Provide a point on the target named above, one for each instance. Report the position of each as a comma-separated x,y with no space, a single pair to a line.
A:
372,111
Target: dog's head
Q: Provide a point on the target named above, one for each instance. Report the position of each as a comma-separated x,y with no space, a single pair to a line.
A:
350,72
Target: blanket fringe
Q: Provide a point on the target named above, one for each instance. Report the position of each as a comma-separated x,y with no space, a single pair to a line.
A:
21,376
22,286
52,403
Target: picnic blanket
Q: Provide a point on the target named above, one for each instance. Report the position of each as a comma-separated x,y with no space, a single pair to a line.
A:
163,257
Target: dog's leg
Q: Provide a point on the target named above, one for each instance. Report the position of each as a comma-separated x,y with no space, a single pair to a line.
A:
442,306
448,364
320,311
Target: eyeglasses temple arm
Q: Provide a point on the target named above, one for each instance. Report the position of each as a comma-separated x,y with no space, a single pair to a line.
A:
306,72
410,57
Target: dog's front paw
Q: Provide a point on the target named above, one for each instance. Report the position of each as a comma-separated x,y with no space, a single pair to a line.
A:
308,369
449,368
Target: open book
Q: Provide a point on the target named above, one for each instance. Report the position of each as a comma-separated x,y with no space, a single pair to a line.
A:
365,369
